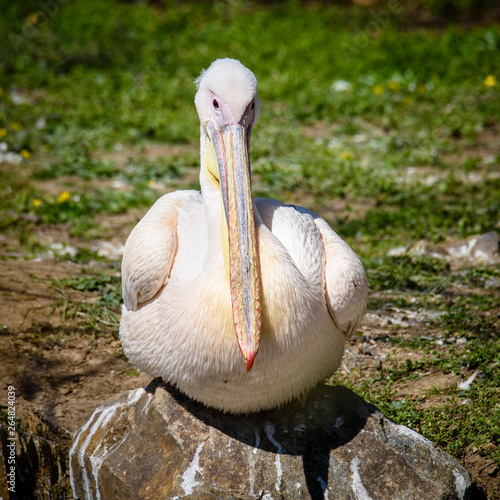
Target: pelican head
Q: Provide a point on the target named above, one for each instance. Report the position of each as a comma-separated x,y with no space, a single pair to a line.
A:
228,105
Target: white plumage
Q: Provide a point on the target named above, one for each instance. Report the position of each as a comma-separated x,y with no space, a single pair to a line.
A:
178,319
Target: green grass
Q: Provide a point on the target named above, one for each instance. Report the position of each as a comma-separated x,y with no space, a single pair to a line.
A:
108,287
133,83
469,418
96,316
409,147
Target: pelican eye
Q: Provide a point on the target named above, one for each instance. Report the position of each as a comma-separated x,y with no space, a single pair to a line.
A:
216,104
253,105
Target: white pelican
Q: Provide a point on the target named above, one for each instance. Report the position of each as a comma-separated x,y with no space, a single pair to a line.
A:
211,279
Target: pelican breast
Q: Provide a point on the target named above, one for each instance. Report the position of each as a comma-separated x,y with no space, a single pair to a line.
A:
185,333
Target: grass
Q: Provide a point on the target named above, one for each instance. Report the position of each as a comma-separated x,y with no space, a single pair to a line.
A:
398,123
99,317
140,88
469,418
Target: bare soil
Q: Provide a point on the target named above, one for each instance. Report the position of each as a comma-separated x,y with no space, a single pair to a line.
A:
51,362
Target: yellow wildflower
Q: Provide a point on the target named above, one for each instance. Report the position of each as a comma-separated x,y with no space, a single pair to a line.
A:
36,202
378,89
490,81
64,196
32,18
395,86
25,154
16,126
3,132
346,155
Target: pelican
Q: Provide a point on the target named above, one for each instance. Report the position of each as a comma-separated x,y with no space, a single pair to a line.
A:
242,304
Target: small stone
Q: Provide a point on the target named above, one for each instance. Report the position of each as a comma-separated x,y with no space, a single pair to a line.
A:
397,251
485,246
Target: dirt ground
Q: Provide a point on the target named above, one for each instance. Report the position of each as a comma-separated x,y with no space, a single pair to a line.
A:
65,372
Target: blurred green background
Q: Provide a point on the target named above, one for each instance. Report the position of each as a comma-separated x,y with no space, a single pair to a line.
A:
352,96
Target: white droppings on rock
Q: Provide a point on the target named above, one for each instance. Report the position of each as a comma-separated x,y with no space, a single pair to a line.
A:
298,485
251,471
357,487
251,463
411,434
96,462
134,396
460,484
270,430
339,422
323,485
462,251
72,452
105,414
189,477
257,441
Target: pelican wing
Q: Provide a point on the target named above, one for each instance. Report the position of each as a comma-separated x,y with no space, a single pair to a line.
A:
150,251
346,284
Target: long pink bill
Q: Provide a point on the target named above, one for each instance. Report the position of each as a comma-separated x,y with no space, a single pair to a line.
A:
231,145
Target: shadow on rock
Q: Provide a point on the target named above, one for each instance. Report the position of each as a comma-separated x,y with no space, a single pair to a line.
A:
329,418
158,443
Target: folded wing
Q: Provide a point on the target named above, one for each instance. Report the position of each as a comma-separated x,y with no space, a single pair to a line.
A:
341,271
150,252
346,284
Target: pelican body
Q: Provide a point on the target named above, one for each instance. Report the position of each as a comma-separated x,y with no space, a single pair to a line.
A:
241,304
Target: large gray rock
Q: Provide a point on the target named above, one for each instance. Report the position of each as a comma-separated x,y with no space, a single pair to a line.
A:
156,443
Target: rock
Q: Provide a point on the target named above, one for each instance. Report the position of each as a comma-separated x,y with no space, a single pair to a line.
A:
156,443
39,462
423,248
483,247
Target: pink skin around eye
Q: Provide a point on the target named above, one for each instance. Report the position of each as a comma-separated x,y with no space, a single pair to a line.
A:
221,114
